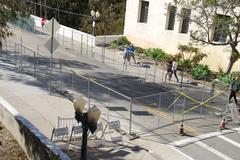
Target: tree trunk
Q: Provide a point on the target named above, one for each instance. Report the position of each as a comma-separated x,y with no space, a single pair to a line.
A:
234,57
230,65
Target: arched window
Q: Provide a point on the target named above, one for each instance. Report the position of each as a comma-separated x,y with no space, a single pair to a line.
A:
185,20
171,14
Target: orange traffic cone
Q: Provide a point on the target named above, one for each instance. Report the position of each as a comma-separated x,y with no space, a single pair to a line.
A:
222,124
181,130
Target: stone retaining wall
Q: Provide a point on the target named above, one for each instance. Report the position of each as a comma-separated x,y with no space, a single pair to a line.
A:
36,145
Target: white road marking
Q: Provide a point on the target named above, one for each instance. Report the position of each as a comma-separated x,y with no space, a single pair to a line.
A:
229,140
190,158
202,137
219,154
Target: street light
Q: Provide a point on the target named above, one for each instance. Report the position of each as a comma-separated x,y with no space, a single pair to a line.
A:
89,121
94,16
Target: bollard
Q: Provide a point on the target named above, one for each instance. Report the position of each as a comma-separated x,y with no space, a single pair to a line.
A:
222,124
181,129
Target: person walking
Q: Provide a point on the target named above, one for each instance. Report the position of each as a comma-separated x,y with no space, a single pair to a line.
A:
233,88
43,21
126,56
131,52
174,69
169,71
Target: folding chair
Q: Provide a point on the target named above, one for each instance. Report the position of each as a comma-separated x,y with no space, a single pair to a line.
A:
115,131
66,122
60,135
98,135
76,135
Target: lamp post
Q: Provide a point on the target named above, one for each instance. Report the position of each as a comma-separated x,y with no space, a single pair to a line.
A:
94,16
88,120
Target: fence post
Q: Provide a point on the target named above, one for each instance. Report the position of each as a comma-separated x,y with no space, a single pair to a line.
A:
155,70
34,63
61,83
181,79
159,105
174,106
103,52
130,117
183,110
163,75
15,53
72,80
203,95
87,45
72,40
6,45
49,76
37,69
88,93
81,48
21,54
139,72
145,74
63,38
92,48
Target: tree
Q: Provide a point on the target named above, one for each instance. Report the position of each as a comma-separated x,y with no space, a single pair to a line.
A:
217,22
10,9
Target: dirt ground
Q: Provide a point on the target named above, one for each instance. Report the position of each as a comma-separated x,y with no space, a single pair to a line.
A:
9,148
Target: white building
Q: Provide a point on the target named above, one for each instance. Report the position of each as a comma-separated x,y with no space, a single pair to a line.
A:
153,23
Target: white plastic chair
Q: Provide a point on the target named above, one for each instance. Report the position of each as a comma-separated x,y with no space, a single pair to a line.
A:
76,135
98,135
115,129
60,135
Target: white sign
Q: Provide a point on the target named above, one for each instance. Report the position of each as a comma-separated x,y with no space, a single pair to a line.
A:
49,26
54,45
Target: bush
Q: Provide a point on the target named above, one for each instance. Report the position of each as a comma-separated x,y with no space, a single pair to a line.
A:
156,54
120,42
139,50
201,72
227,78
185,64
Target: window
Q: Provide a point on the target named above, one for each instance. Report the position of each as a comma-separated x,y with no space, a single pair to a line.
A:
144,12
171,17
185,19
221,28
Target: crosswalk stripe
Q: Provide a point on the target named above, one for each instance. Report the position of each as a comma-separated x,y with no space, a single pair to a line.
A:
219,154
202,137
229,140
190,158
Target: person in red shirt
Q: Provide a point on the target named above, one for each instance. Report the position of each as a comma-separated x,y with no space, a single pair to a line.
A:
43,21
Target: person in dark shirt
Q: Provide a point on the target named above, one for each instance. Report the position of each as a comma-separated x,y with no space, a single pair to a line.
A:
233,88
131,52
169,71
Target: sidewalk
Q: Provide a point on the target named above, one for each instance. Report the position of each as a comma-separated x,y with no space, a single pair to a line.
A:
32,100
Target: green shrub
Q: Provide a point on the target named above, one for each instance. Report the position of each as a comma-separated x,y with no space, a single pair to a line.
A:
201,72
139,50
185,64
120,42
227,78
156,53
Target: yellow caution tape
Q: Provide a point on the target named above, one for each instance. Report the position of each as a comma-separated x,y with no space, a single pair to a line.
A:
173,102
200,103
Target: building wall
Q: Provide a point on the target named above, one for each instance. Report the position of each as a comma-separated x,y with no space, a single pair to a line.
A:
154,34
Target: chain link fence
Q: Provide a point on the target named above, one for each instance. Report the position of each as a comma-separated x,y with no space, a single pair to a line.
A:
137,114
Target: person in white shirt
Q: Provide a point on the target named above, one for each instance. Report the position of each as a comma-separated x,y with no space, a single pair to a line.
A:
174,69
